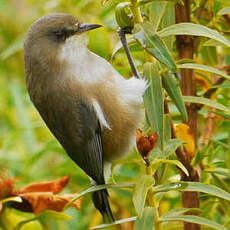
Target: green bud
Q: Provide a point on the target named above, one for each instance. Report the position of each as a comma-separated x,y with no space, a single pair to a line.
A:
123,15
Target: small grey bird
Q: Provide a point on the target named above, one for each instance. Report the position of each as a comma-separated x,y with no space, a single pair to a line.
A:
88,106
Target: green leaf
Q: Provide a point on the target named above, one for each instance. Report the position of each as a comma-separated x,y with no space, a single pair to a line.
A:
103,2
157,10
167,127
146,222
193,30
225,85
211,42
224,11
224,115
53,215
10,199
153,100
117,222
142,2
141,188
97,188
132,44
168,19
196,220
179,211
173,162
151,42
173,89
204,68
209,55
169,148
193,187
205,101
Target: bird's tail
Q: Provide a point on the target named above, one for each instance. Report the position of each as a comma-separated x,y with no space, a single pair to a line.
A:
101,202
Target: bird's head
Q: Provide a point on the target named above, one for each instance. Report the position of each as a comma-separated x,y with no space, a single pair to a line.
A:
50,33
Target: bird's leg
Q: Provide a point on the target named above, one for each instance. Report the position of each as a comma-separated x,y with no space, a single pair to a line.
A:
122,33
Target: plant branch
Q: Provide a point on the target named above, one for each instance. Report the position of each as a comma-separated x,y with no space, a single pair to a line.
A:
122,33
185,47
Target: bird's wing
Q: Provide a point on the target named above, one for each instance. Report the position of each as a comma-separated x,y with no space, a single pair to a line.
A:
87,151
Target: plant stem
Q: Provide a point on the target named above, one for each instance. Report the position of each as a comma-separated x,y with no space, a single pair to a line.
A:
185,47
151,199
137,18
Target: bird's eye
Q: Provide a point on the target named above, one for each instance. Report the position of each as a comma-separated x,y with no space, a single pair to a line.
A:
63,34
60,35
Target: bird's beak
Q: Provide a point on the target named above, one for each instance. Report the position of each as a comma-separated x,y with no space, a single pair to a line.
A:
83,27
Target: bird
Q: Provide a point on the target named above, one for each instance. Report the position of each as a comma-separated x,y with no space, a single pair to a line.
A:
90,108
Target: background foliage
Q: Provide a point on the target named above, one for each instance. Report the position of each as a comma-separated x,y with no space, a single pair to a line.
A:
30,153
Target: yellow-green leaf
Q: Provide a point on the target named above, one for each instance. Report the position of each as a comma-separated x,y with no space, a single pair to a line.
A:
193,30
141,188
204,68
151,42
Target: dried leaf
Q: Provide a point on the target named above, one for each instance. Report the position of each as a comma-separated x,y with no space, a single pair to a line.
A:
184,133
41,201
145,143
37,197
54,187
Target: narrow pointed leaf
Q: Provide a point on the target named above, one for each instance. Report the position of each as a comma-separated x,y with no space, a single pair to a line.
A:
193,187
167,127
132,45
224,11
193,30
179,211
173,162
97,188
146,222
140,192
205,101
151,42
153,100
117,222
211,42
169,148
156,13
142,2
168,19
173,89
223,86
204,68
196,220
